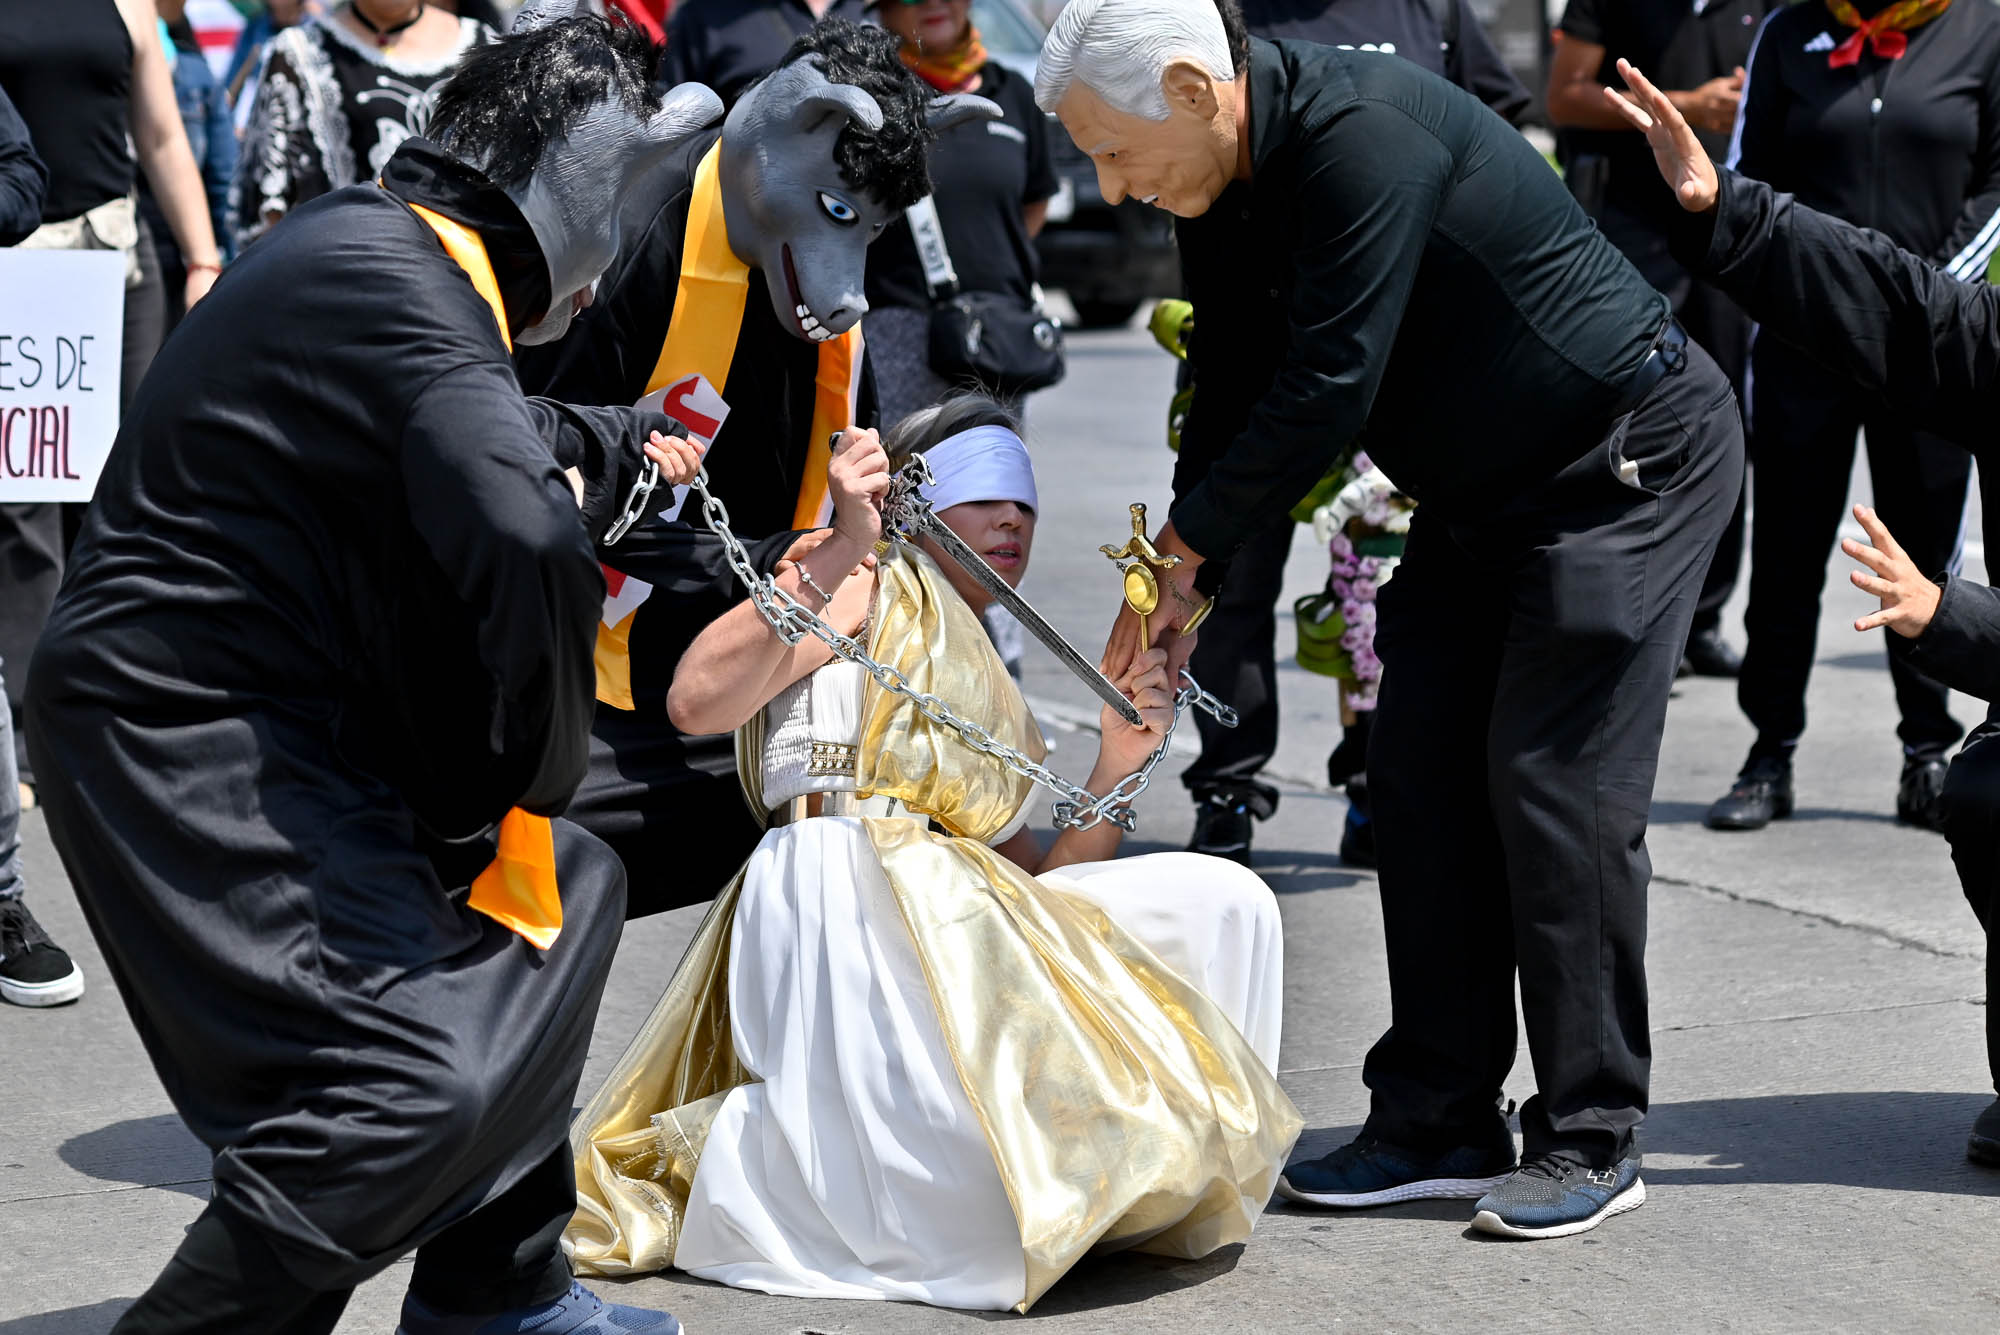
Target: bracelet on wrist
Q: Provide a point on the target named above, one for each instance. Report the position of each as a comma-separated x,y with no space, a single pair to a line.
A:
805,576
212,266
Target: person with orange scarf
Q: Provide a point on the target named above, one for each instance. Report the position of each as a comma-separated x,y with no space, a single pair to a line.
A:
991,184
318,686
1886,115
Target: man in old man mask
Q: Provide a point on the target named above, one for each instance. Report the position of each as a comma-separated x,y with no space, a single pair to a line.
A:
1369,246
317,680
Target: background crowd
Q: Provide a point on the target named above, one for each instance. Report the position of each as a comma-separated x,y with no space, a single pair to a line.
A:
124,128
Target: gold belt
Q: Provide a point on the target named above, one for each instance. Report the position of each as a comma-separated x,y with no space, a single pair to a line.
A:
843,803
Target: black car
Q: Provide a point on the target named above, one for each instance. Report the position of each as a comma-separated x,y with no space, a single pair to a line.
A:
1110,260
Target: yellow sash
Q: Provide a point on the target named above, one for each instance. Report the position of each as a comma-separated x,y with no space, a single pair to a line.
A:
518,888
709,298
708,318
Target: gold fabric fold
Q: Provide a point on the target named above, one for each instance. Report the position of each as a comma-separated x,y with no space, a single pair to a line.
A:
638,1141
1123,1108
925,631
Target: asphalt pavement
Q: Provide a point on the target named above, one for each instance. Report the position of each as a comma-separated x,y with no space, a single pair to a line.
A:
1818,1003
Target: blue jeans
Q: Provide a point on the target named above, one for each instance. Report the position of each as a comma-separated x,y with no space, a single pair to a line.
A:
10,804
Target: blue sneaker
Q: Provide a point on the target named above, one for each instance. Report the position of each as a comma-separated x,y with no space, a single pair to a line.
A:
578,1312
1370,1171
1554,1195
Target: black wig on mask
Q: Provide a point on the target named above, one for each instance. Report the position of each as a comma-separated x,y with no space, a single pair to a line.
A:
508,100
891,164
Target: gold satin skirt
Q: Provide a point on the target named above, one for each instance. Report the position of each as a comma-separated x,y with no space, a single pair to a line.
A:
1121,1106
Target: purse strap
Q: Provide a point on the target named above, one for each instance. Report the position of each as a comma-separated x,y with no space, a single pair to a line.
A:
932,252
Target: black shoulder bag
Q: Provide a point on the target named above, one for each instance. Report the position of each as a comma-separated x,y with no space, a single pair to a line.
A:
983,340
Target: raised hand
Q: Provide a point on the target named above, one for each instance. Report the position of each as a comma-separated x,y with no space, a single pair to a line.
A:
1681,158
858,479
1909,597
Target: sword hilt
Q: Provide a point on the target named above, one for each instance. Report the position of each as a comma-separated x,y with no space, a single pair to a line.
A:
904,502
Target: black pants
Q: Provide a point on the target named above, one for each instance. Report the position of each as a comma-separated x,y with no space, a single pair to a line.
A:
34,538
1528,654
1723,330
1972,825
1804,421
225,1278
1236,657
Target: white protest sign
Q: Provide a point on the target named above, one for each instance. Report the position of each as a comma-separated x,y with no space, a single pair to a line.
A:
693,402
62,326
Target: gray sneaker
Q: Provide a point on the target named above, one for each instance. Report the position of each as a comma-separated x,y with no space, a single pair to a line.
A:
1553,1195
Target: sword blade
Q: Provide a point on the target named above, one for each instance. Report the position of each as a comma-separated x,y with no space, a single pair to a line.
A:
927,523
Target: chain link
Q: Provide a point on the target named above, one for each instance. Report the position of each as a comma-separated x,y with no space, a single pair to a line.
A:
792,621
635,503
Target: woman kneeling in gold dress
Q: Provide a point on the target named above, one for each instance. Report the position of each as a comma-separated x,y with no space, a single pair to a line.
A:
909,1054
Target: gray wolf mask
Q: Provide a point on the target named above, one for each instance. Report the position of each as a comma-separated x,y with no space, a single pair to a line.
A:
789,210
515,115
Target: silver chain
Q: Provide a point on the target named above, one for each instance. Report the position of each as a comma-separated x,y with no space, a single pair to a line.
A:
635,503
791,621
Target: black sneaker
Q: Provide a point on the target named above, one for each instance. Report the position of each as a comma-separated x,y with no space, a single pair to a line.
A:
1920,793
1984,1146
1357,836
1222,829
1370,1171
1709,655
34,971
1762,794
1554,1195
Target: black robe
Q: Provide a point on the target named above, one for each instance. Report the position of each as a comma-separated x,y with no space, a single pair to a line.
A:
666,801
330,616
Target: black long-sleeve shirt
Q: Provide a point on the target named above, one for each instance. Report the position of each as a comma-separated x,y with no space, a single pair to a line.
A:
1401,259
1910,147
1900,327
1412,29
23,178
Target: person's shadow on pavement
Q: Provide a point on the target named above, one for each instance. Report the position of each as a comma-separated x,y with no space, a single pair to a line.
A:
146,1151
92,1320
1890,1140
1885,1140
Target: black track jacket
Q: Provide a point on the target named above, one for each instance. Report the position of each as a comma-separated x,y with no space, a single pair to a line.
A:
1930,346
1910,147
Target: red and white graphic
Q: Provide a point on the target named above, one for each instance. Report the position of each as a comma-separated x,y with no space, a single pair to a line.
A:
694,403
622,595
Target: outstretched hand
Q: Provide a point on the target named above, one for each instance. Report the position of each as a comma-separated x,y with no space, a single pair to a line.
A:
1180,602
1909,597
1681,158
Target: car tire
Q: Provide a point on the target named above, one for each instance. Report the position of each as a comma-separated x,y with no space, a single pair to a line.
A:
1104,314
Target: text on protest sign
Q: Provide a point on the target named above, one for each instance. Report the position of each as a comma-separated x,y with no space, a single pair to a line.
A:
62,322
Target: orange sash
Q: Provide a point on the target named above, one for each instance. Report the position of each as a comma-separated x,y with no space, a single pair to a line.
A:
518,888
